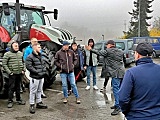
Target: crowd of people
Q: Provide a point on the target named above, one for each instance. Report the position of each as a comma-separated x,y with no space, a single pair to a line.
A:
136,91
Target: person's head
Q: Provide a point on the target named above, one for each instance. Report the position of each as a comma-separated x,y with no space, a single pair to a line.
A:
74,46
37,47
91,43
65,45
14,47
33,41
143,49
110,44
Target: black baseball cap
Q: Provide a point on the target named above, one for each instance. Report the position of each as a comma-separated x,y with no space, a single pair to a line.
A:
110,42
144,49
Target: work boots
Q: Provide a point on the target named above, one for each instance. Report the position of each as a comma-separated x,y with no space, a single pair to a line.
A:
40,105
32,109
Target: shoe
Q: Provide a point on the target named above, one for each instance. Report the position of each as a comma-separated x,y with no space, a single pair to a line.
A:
65,100
116,111
78,101
102,89
87,88
21,102
95,87
32,109
21,91
69,92
43,96
113,107
40,105
10,104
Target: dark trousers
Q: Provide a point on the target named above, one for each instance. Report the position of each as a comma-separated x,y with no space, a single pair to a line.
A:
14,85
105,81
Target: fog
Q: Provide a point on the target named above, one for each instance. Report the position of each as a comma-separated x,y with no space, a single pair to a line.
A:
92,18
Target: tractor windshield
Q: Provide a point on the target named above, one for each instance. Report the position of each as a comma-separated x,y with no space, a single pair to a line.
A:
27,16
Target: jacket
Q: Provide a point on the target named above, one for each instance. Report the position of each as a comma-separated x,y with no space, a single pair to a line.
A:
113,60
139,93
65,60
13,61
36,66
94,58
27,52
80,58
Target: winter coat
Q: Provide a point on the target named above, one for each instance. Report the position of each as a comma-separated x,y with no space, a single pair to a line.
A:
27,52
113,60
13,61
80,59
36,66
65,60
139,93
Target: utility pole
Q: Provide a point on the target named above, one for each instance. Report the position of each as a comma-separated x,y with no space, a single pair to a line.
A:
125,24
103,37
139,22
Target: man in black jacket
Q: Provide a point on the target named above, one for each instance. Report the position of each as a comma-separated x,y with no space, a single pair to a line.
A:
36,67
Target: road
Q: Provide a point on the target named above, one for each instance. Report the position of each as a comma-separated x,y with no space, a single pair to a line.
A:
94,104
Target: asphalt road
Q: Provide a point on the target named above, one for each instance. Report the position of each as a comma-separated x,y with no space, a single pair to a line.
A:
95,105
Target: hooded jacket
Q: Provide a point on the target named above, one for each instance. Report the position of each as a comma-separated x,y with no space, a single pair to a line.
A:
94,56
13,61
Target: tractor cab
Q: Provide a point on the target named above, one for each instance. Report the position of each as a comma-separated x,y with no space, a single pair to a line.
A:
29,15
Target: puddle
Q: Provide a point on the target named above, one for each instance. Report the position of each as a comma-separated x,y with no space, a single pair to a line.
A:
23,118
101,104
71,111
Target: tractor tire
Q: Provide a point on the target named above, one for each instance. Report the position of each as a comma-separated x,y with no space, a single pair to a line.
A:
3,84
48,57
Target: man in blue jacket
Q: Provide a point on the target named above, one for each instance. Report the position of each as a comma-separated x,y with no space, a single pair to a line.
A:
139,93
29,51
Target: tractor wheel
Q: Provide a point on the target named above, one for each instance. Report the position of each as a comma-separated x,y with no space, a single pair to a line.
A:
1,80
48,57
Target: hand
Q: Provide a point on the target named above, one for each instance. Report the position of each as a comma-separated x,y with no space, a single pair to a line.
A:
11,74
23,72
88,47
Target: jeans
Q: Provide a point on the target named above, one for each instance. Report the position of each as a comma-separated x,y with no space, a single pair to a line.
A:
93,69
116,86
71,78
35,90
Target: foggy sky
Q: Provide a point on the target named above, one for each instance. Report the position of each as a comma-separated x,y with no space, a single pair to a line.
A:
92,18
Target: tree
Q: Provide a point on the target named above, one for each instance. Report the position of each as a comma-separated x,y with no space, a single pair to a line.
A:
155,30
139,17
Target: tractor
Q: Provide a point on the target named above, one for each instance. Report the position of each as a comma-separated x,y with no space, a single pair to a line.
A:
22,22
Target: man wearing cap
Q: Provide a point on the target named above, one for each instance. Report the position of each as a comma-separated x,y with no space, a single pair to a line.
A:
139,93
113,59
65,60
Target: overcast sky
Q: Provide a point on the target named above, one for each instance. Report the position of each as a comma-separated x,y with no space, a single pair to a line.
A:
92,18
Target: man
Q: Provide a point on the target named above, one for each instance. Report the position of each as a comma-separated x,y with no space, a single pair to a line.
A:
79,67
91,62
114,62
13,65
65,60
139,92
37,69
27,52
